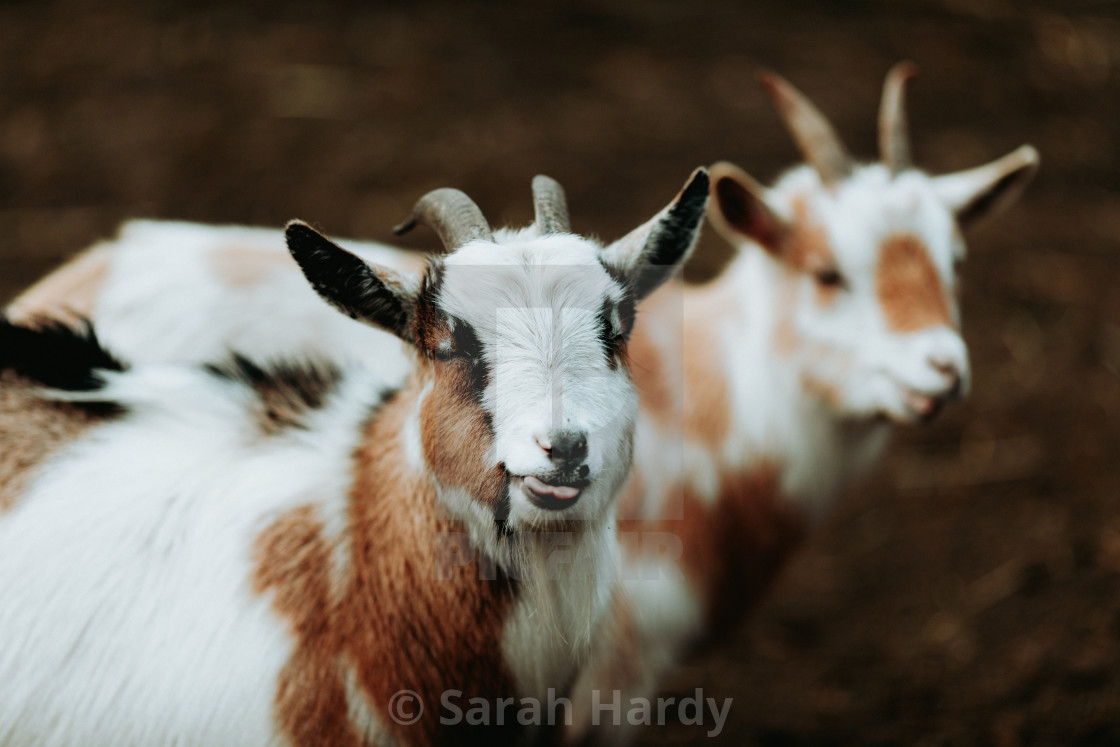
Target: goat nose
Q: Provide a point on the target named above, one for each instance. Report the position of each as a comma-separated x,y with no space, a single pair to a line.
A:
952,373
568,447
945,366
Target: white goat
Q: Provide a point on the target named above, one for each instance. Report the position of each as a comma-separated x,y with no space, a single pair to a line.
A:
839,313
243,555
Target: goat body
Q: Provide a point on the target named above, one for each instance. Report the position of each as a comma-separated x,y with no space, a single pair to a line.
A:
838,315
175,292
262,554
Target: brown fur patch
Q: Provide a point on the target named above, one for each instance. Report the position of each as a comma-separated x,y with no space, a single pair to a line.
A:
293,560
633,495
806,246
68,294
457,435
31,431
240,266
707,400
430,328
702,410
660,395
786,338
733,548
909,286
826,294
414,613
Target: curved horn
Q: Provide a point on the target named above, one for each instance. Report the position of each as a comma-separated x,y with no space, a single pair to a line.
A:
815,138
894,138
452,215
550,206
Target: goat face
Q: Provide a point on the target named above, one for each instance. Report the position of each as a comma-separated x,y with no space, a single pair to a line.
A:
524,324
528,407
866,261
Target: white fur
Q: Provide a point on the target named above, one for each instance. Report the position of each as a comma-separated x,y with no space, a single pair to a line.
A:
128,613
552,629
164,301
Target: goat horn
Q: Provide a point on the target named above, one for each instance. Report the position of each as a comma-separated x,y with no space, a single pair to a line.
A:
452,215
894,138
815,138
550,206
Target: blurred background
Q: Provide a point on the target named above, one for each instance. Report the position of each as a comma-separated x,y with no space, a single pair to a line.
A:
969,593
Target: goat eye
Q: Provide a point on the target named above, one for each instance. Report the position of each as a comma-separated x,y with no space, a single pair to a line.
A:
610,335
452,353
830,278
445,354
460,345
472,359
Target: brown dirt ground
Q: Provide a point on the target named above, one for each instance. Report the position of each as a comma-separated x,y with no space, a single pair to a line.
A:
969,593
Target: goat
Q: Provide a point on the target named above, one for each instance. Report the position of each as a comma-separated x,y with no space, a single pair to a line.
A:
838,315
244,554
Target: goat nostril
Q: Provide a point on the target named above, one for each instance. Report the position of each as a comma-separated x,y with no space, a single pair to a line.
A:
945,366
544,442
584,471
568,446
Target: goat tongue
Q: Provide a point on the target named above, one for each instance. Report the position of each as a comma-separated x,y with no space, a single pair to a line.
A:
563,492
920,403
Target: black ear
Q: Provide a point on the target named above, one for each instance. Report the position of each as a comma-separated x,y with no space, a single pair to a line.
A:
369,293
650,254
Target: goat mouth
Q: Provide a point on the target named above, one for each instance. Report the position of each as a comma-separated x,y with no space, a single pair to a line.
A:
551,496
924,407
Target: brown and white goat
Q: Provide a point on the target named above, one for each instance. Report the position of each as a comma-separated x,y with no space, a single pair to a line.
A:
268,555
838,314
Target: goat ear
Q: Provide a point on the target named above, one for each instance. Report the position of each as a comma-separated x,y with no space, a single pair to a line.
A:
369,293
650,254
987,189
739,211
